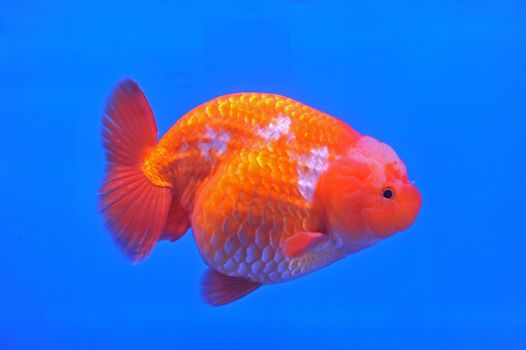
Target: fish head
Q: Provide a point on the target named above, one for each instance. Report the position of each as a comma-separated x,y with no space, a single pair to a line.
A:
366,194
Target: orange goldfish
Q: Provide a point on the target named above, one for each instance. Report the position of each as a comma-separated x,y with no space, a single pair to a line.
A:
272,189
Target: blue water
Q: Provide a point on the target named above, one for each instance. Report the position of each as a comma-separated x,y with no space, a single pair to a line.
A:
443,82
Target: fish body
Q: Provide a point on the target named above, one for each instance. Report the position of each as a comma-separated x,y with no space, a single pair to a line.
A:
245,168
272,189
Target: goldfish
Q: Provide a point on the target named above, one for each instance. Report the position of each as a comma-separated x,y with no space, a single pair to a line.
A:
271,188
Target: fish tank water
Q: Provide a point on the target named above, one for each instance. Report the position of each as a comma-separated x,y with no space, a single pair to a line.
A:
442,82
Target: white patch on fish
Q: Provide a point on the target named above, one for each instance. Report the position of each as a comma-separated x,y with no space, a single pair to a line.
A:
278,127
216,141
310,169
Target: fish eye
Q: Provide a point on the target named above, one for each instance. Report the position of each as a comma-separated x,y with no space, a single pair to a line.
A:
388,193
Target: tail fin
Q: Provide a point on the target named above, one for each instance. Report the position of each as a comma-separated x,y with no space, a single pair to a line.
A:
134,208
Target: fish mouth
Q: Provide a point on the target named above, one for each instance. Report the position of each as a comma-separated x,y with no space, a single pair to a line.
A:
411,201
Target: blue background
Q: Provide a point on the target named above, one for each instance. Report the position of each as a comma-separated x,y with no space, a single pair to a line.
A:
443,82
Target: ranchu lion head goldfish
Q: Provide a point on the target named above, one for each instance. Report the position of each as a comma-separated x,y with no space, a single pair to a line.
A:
272,189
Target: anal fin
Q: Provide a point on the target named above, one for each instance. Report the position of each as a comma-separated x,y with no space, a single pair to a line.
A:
177,222
219,289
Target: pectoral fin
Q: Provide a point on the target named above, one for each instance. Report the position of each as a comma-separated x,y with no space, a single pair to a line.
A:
219,289
301,242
